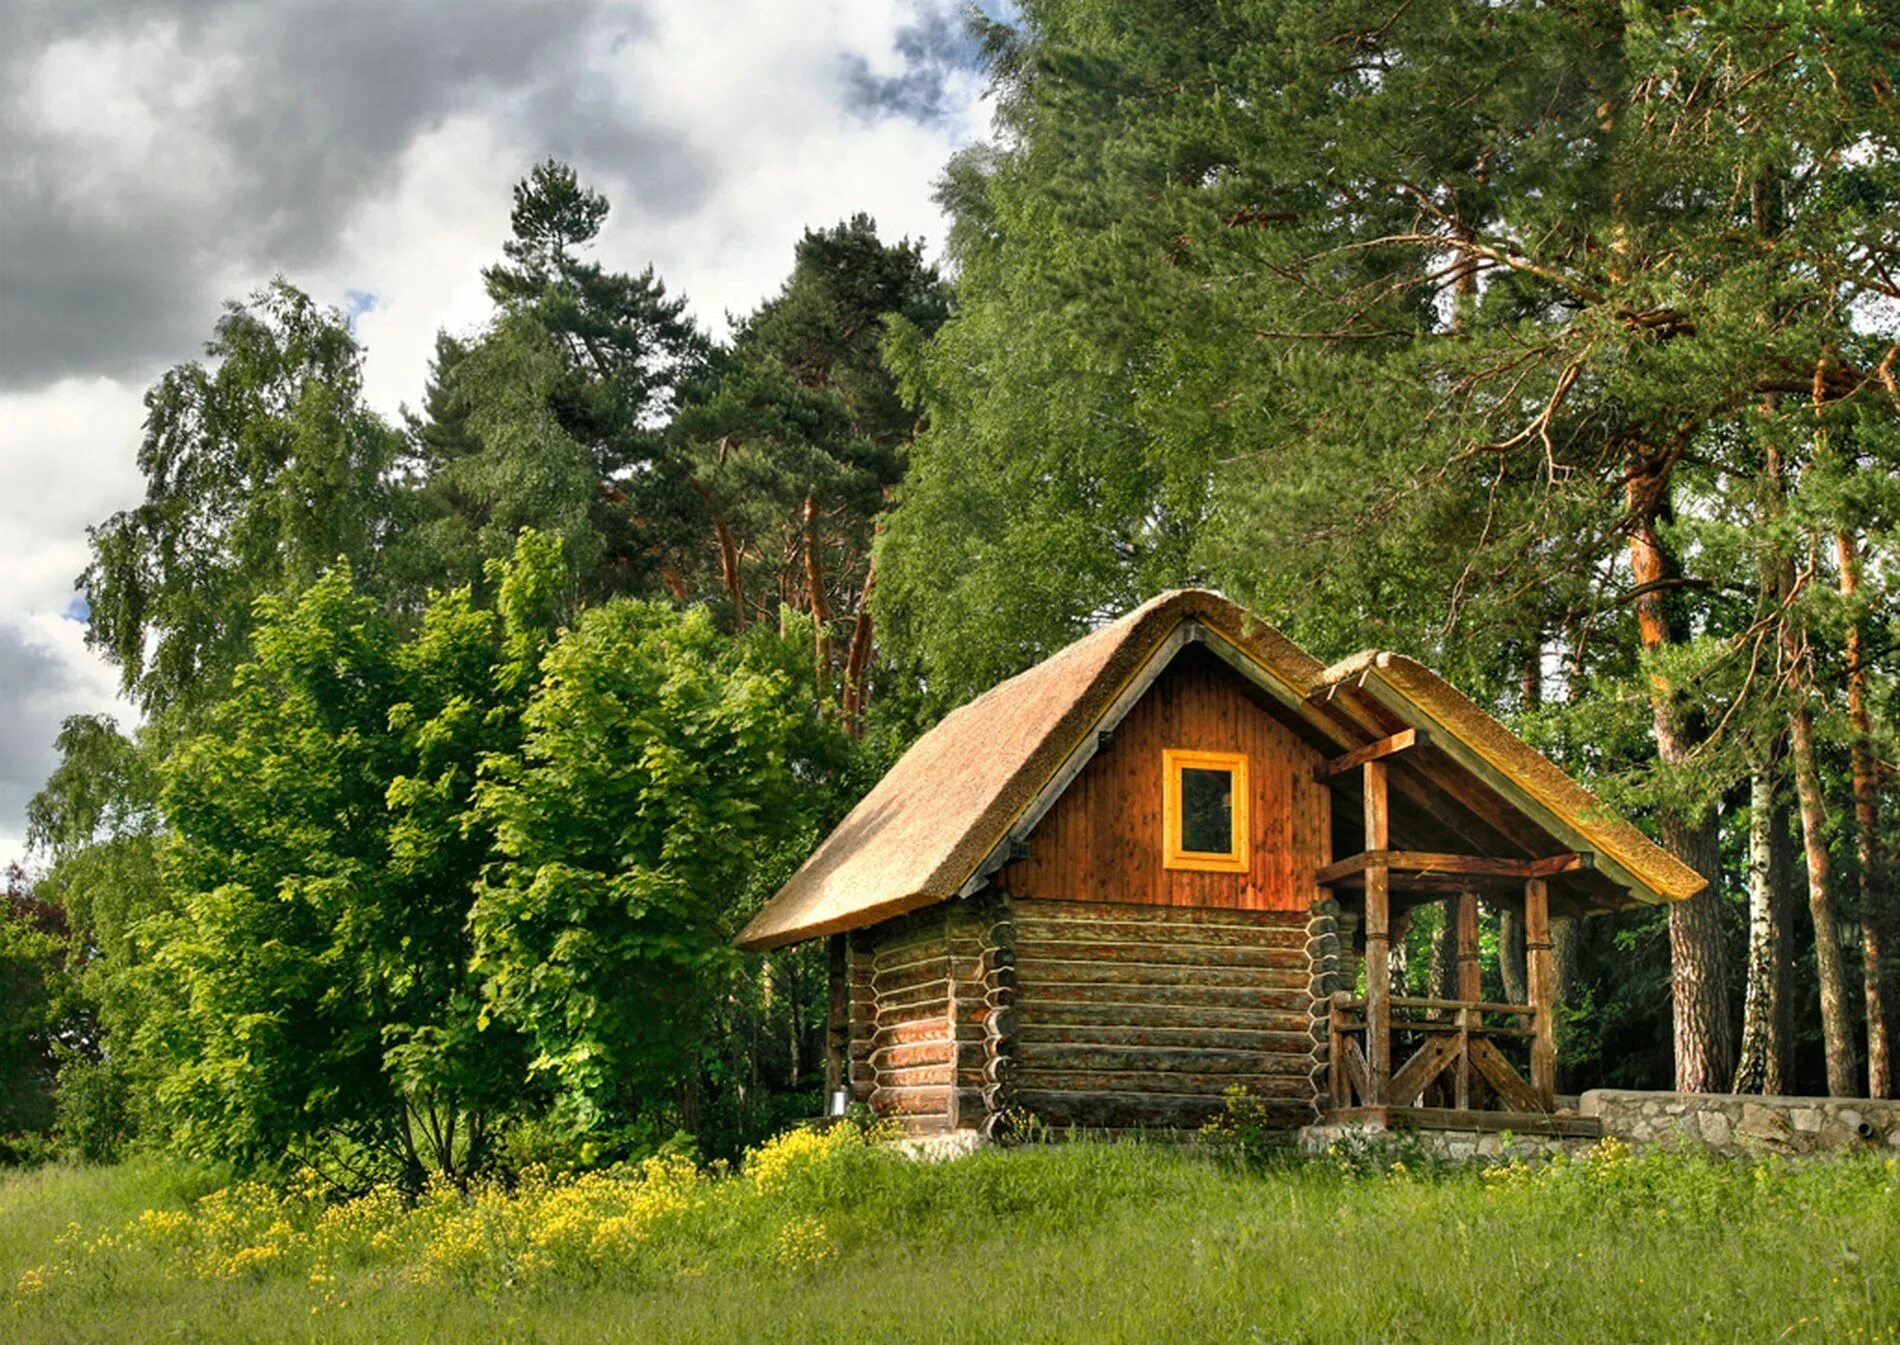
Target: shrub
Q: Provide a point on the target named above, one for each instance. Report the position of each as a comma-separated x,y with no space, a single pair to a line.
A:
94,1118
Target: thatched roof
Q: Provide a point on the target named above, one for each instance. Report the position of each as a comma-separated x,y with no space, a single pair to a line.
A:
929,825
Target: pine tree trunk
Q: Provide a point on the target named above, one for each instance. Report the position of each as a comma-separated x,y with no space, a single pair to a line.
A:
1763,1008
1512,970
1837,1029
1831,966
1566,955
857,660
1445,951
1781,1049
1876,920
1566,952
1399,975
818,603
1704,1037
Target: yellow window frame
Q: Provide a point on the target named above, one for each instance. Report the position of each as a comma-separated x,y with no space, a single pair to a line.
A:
1236,859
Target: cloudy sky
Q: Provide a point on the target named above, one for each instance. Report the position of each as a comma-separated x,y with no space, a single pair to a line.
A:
158,156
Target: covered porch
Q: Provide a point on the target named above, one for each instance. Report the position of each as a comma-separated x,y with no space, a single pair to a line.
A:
1461,1062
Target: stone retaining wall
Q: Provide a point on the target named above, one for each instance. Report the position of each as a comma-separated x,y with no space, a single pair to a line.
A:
1740,1123
1452,1146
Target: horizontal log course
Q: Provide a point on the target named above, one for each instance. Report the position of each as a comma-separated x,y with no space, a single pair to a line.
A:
1286,1086
1190,934
1026,912
1161,954
939,1051
1123,1013
921,1030
1187,996
1163,1063
913,1076
1053,973
1292,1041
931,972
895,942
905,1027
910,997
890,1101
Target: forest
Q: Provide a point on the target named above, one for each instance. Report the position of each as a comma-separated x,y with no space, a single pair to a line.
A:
1555,346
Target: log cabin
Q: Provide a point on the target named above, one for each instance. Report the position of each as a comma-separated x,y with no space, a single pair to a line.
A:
1171,860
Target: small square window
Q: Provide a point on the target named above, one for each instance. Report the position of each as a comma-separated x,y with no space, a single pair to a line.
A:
1204,811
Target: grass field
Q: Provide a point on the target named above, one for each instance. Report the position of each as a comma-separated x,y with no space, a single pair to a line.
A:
835,1239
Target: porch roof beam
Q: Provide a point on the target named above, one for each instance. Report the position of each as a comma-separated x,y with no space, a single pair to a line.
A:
1425,864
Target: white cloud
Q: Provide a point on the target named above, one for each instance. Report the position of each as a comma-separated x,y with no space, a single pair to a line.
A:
67,459
747,99
201,148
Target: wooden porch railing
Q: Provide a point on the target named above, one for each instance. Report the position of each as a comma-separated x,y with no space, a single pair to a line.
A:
1458,1040
1362,1054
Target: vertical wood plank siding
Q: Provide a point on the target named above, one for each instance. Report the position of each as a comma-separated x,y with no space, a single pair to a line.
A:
1102,839
1132,1015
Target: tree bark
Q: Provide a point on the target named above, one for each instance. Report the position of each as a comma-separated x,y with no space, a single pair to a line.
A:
1762,1067
730,576
1836,1018
819,604
857,659
1511,969
1836,1022
1398,964
1781,1051
1704,1037
1566,957
1876,920
1445,951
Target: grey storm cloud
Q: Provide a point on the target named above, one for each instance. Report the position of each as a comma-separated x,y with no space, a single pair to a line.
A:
309,109
936,46
31,677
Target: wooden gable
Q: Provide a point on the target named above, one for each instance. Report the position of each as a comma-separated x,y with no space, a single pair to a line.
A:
1102,839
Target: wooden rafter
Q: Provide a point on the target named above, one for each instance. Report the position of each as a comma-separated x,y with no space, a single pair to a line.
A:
1373,751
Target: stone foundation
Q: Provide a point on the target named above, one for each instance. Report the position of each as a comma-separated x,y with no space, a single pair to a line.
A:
1733,1125
1737,1124
1450,1146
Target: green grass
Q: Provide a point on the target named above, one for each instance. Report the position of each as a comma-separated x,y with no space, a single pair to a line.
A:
841,1241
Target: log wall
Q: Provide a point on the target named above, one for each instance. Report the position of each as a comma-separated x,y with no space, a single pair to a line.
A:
1133,1015
1102,839
927,1000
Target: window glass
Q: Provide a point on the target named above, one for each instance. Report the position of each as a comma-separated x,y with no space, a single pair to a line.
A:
1207,810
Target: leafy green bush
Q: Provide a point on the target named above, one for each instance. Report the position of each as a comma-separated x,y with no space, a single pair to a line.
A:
94,1118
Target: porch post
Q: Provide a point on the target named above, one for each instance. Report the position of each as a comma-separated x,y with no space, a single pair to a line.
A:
1378,940
1541,976
1470,989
